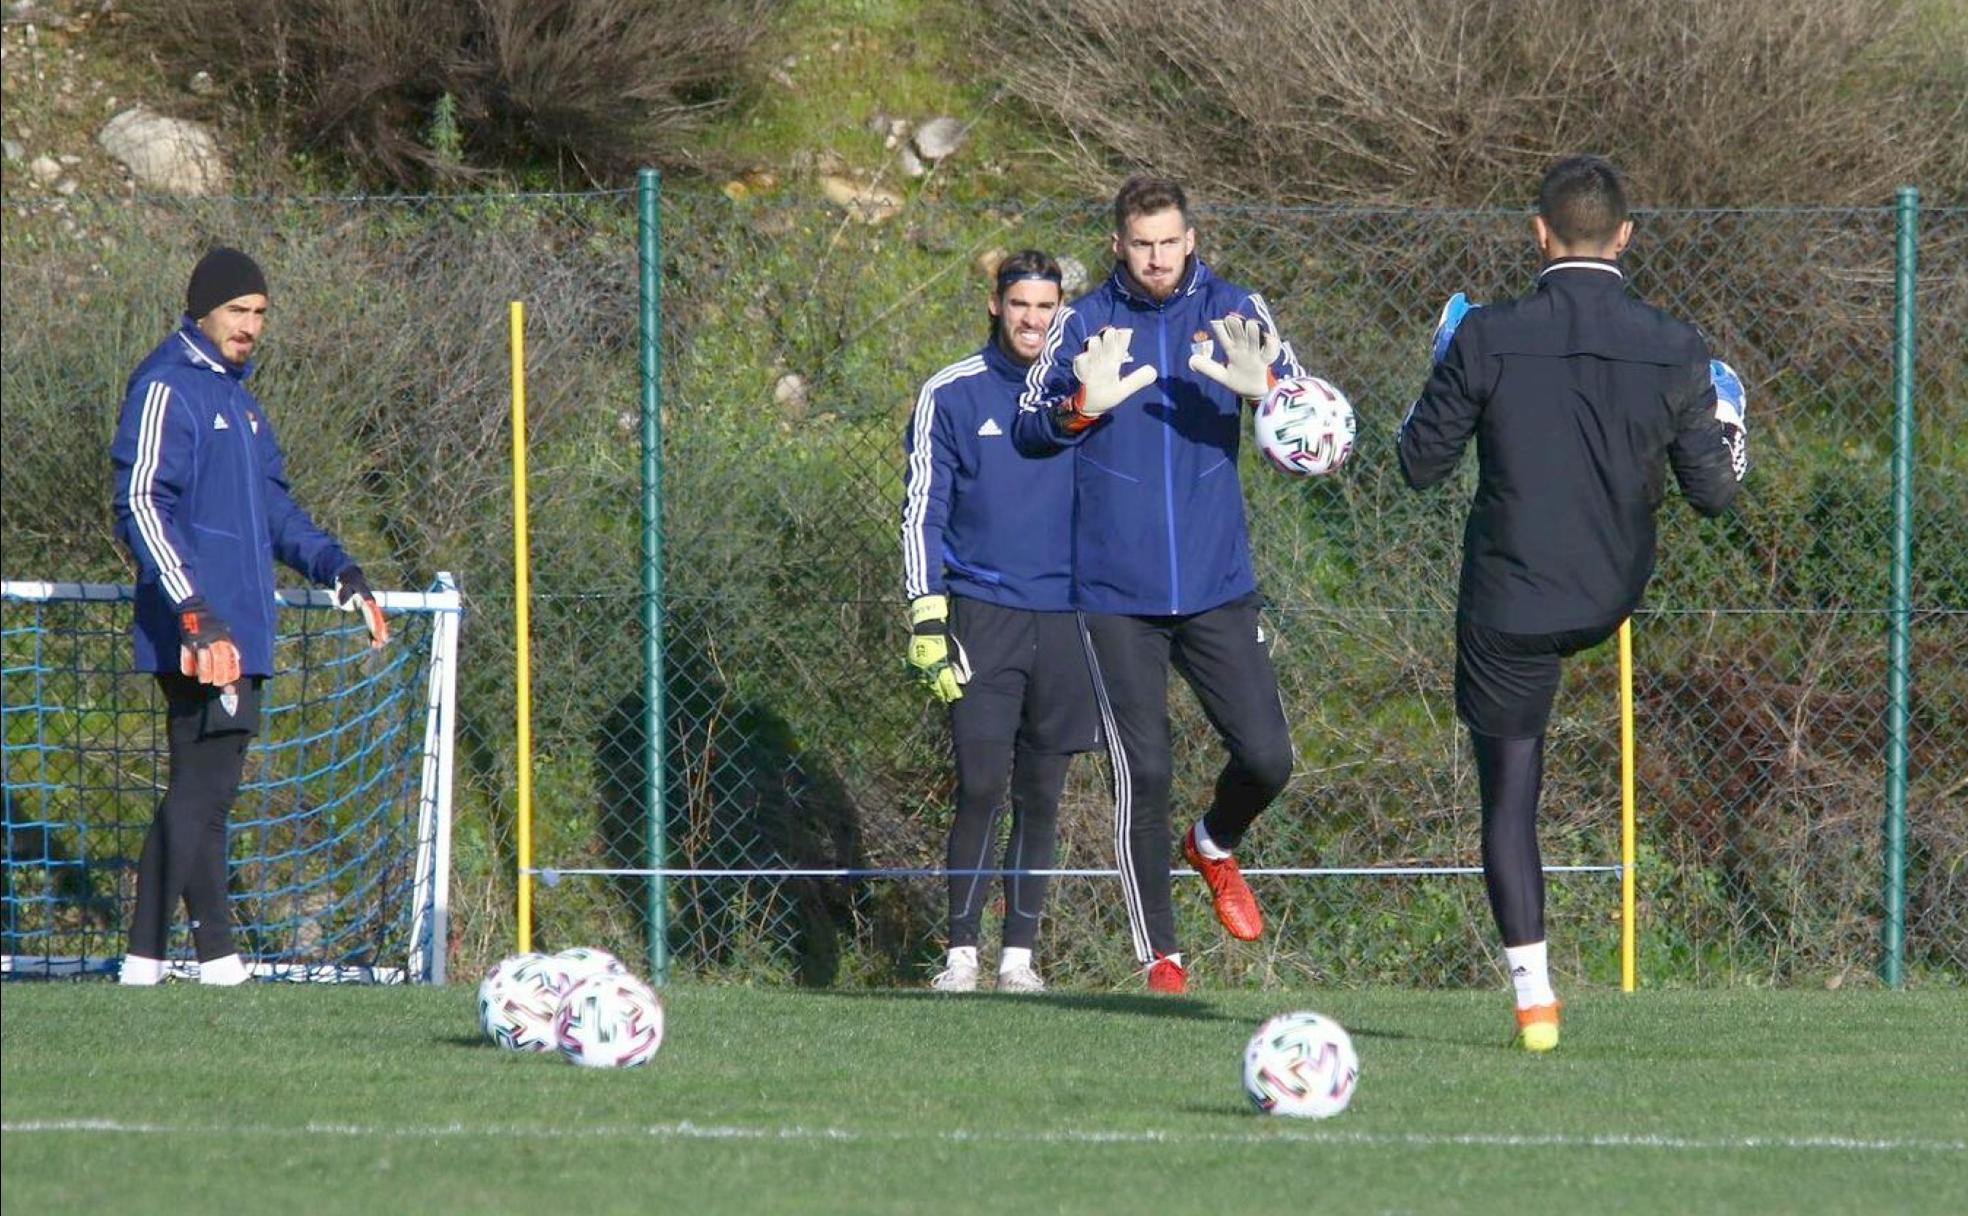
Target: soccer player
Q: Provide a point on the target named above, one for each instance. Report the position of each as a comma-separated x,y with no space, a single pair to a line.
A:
987,568
202,503
1162,567
1578,395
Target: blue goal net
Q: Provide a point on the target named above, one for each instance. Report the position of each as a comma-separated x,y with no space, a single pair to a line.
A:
340,838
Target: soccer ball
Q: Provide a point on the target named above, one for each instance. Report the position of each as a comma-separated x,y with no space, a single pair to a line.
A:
1300,1064
609,1021
518,1000
581,962
1304,426
497,984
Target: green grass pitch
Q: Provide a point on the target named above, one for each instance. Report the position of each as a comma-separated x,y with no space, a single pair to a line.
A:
293,1100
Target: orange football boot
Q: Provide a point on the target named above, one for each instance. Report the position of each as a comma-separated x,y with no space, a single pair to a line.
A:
1537,1027
1236,907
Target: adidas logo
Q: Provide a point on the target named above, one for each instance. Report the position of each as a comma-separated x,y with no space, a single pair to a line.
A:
990,427
219,423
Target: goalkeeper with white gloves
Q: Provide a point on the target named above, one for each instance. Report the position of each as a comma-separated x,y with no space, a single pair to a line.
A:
1579,396
202,503
1147,379
987,567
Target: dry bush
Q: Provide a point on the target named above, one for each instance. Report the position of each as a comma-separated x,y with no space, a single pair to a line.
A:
593,88
1704,102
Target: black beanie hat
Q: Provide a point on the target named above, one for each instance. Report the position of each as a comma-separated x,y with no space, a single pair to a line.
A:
221,275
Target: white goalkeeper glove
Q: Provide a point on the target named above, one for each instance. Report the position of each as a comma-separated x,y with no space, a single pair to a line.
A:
352,594
1731,410
1249,350
1102,387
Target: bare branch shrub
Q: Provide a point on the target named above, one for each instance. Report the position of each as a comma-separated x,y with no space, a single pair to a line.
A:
1416,101
592,87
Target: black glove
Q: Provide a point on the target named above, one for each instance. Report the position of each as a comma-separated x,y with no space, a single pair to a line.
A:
205,646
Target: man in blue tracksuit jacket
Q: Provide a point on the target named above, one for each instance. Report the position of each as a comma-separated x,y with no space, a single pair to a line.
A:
1162,570
202,503
987,566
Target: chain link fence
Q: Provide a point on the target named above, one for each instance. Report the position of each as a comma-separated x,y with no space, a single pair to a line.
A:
794,337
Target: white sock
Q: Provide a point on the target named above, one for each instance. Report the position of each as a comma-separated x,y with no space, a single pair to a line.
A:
222,972
1530,973
1014,957
1207,847
1175,958
962,956
141,972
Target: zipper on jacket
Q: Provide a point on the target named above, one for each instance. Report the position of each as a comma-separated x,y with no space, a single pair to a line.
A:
259,541
1168,466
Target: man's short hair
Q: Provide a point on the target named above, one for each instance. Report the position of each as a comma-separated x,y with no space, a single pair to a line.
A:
1583,200
1144,195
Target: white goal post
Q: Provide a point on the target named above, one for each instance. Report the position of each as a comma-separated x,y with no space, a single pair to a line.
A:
340,838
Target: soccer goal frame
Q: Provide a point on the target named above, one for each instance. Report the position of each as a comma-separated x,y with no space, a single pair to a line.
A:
341,836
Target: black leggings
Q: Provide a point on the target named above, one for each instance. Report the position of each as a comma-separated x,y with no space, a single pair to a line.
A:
185,854
1036,778
1510,773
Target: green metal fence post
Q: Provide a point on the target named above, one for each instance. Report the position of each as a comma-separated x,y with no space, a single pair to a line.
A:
649,248
1892,960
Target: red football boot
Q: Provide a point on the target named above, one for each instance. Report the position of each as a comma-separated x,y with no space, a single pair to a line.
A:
1236,907
1167,975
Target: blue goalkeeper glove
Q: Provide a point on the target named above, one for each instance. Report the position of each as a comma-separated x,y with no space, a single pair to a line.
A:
929,648
1458,307
1731,410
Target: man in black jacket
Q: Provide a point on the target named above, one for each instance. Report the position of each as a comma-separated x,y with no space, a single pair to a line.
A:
1578,395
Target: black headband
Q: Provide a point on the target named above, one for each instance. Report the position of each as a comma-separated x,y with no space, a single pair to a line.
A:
1007,277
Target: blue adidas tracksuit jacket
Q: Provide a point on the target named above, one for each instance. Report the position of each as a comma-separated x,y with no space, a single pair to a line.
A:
202,502
1159,522
1008,543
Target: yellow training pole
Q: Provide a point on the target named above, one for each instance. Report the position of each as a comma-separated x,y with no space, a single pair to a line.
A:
523,648
1626,805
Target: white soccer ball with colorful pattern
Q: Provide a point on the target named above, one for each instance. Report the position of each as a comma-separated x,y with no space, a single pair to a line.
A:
581,962
609,1021
1305,426
517,1001
1300,1064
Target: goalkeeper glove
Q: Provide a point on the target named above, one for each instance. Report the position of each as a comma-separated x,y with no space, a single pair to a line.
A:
1731,405
1249,350
1102,387
352,594
205,647
929,648
1458,307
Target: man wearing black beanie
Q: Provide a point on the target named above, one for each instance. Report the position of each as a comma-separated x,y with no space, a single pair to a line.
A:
202,503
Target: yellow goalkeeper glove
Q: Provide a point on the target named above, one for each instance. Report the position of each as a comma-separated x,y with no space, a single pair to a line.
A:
929,648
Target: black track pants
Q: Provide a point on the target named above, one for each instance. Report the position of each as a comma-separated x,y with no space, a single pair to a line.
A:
1510,773
1027,706
185,854
1225,657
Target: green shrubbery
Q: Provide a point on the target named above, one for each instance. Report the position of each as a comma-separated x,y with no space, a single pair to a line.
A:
413,92
1411,102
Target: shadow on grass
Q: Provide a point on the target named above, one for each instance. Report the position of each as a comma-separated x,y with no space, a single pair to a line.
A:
1138,1004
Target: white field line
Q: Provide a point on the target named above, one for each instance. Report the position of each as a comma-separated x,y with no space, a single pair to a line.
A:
838,1135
